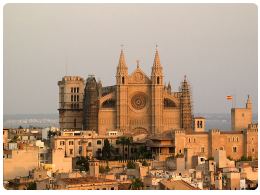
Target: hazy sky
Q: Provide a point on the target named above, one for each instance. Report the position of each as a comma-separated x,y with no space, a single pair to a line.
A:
215,45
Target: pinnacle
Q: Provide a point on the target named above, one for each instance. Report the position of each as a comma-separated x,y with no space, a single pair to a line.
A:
156,62
121,62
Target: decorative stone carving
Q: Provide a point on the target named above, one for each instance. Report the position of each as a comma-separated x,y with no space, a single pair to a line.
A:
138,101
139,77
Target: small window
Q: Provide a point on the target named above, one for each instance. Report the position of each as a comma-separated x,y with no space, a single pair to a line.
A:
194,140
71,143
89,144
202,149
71,151
243,114
189,140
62,143
200,124
98,142
158,80
253,150
71,98
123,80
71,89
77,98
77,89
234,149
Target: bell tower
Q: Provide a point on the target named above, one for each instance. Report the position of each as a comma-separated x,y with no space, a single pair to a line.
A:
157,94
121,93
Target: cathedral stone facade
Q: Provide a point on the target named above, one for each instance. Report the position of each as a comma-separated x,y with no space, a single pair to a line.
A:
137,104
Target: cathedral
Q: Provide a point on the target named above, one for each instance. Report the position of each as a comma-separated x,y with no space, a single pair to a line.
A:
136,104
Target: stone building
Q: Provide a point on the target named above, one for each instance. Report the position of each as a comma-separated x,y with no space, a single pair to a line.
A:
137,103
84,143
20,162
241,117
5,138
205,144
85,183
71,90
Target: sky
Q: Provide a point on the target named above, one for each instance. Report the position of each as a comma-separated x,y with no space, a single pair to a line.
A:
215,45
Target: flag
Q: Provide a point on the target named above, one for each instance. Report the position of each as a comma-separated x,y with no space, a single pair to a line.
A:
229,97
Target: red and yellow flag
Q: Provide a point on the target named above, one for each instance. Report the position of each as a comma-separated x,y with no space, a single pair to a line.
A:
229,97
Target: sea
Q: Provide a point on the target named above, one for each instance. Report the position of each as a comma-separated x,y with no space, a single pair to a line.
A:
220,121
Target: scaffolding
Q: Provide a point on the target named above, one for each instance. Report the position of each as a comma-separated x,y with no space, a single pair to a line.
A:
186,106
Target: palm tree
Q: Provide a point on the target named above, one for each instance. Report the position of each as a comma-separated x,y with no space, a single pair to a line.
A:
123,142
137,184
129,141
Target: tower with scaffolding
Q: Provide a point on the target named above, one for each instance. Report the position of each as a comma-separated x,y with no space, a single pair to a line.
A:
186,105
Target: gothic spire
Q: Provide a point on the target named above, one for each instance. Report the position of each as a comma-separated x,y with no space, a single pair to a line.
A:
121,62
156,62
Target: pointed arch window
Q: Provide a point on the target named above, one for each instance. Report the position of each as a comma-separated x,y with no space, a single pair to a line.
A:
169,103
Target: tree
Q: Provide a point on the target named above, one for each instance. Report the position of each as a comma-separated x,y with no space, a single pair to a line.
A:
31,186
137,184
144,163
123,142
51,134
14,139
104,169
82,163
143,152
229,158
130,165
106,150
128,141
244,158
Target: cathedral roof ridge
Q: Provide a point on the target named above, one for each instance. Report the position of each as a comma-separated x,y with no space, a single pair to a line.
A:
139,69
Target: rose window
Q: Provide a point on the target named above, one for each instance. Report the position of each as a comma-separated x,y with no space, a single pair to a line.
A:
138,101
